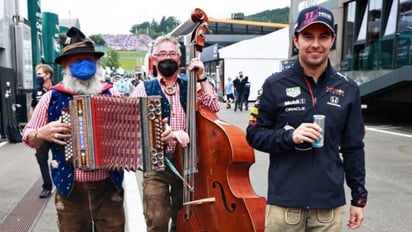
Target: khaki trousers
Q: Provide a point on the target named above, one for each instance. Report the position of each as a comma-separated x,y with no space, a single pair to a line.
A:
281,219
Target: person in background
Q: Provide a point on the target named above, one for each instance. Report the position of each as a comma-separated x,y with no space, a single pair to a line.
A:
306,183
163,191
137,79
211,80
246,92
84,200
236,83
44,74
230,97
239,86
123,86
182,73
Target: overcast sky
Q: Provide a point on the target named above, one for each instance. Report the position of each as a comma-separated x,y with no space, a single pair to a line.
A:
118,16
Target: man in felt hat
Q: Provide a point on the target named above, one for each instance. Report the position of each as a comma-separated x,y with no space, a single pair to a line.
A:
306,182
85,200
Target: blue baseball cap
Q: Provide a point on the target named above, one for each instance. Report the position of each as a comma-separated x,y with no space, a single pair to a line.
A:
312,15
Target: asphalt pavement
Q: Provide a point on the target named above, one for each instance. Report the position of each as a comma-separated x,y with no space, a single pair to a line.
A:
389,182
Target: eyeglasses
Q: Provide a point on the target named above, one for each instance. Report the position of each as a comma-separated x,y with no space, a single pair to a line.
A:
164,54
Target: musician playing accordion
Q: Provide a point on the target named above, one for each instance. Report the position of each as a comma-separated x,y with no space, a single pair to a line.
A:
84,199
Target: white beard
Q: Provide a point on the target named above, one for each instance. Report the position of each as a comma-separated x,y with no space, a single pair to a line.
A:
93,86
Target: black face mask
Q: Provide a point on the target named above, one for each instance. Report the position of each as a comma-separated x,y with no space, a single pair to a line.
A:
39,81
167,67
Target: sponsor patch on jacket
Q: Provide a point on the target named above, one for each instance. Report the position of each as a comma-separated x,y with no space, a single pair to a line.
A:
301,101
333,90
334,101
295,108
293,92
295,104
253,114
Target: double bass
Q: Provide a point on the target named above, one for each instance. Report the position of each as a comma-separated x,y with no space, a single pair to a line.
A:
216,165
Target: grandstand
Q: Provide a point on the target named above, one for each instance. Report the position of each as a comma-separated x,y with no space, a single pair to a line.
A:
129,42
118,42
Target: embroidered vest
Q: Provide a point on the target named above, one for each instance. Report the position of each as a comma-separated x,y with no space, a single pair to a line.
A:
63,175
153,88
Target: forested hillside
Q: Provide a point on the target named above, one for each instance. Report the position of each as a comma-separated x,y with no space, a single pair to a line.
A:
273,16
168,23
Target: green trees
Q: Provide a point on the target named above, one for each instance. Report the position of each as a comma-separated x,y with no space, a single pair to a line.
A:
167,24
98,40
154,29
111,60
274,16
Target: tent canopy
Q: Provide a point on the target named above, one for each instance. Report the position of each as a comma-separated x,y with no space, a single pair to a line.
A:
274,45
258,58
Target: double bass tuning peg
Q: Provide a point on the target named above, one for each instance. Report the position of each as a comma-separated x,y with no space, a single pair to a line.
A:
199,16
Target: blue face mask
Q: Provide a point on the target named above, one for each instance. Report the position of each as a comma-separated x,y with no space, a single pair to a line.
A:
83,69
39,81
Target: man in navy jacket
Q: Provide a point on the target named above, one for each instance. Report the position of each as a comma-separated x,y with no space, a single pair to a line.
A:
306,184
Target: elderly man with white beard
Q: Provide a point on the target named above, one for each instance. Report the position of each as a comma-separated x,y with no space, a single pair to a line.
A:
84,200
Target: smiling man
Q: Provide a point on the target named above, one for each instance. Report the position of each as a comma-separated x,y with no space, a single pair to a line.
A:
306,182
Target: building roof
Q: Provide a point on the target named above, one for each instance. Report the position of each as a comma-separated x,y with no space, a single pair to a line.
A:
229,31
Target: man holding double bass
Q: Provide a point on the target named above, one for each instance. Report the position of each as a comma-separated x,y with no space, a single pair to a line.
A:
163,191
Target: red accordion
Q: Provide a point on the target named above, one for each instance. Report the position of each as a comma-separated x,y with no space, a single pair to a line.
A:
115,133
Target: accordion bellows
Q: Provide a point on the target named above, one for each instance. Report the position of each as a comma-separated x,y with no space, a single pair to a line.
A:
113,133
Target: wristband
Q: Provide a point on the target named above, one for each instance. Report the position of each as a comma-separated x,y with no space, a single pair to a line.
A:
202,80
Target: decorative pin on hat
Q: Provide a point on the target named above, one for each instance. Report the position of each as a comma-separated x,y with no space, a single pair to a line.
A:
77,43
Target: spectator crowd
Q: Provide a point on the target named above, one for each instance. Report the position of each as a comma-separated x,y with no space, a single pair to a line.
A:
127,42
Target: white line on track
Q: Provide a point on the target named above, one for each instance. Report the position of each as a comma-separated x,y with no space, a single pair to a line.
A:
389,132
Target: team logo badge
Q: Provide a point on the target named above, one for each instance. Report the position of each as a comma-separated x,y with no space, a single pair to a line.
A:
293,92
